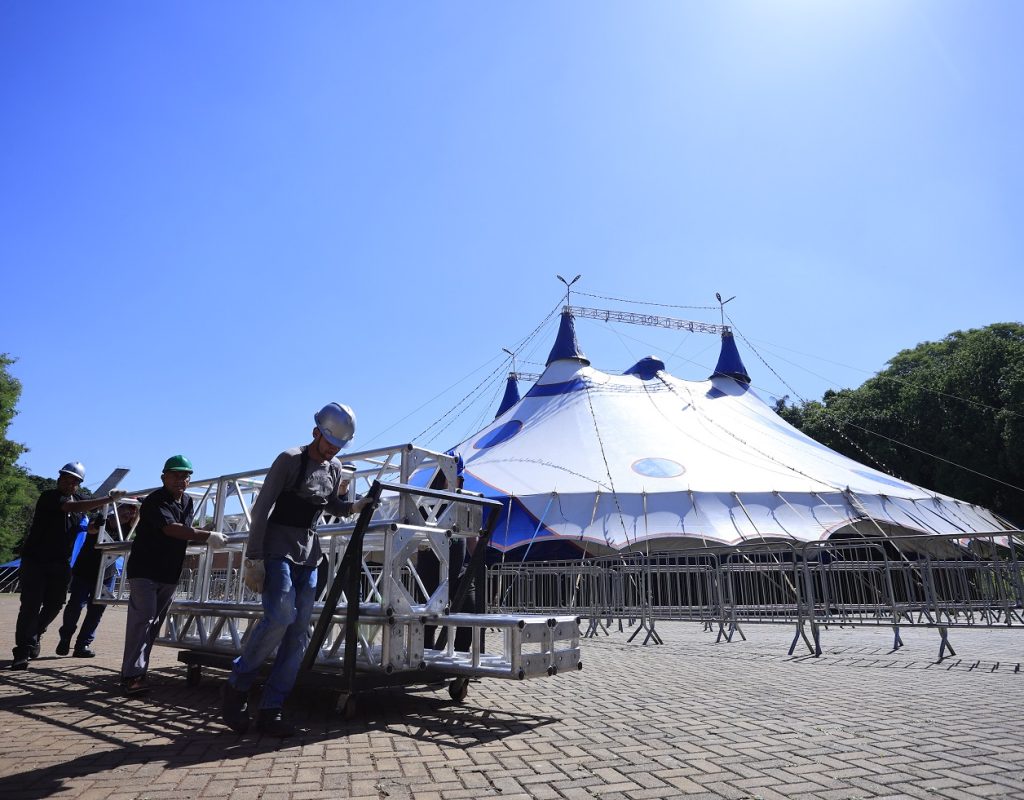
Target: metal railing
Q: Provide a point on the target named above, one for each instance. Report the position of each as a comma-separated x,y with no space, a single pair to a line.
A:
937,581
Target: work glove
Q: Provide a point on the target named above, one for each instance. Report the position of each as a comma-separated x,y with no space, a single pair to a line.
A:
255,573
117,494
218,541
362,503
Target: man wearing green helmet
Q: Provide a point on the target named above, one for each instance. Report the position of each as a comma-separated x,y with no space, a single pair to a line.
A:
154,565
281,563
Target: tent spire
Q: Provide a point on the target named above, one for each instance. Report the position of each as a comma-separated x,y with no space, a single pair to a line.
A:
566,346
646,368
730,365
511,395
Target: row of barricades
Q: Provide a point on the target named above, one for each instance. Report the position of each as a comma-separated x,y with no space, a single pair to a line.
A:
938,581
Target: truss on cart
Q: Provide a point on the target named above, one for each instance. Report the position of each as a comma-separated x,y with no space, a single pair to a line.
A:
385,612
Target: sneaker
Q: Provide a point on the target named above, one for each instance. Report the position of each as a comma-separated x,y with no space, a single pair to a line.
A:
234,708
34,651
271,722
84,652
135,686
20,662
63,647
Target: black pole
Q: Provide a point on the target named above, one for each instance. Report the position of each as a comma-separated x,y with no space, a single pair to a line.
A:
347,578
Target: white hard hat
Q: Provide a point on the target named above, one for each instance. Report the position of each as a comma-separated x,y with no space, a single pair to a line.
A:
336,423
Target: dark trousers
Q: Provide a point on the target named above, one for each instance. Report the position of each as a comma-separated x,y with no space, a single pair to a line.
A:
82,597
147,608
429,570
44,588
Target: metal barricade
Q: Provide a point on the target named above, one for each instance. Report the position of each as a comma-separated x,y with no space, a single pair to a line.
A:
938,581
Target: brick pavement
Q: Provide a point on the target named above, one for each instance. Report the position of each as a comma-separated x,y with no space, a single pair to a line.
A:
689,719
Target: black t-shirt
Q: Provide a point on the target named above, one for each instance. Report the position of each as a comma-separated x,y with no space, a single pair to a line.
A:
51,536
155,555
87,564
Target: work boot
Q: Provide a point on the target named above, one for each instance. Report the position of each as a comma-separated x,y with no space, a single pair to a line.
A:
63,647
83,652
234,708
134,686
271,722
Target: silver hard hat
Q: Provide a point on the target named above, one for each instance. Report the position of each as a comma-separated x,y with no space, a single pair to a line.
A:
76,468
336,423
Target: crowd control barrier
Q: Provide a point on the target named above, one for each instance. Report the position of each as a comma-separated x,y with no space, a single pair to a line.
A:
936,581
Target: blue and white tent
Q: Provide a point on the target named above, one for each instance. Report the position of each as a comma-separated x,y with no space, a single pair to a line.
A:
603,462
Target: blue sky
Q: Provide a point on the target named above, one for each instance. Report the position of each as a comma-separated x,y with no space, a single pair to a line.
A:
217,217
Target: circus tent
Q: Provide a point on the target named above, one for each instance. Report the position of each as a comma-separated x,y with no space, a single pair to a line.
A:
603,462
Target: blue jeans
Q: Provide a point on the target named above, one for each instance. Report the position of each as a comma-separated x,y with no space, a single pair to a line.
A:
288,594
81,597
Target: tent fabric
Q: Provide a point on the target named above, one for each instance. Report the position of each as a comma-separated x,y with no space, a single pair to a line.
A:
730,365
566,346
645,460
511,396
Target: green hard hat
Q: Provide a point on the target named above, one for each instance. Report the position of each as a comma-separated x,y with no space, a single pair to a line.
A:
177,464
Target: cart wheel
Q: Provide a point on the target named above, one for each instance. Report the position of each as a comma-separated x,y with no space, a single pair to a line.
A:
193,674
347,706
458,689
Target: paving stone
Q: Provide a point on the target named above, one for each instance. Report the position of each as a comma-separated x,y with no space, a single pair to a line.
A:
690,718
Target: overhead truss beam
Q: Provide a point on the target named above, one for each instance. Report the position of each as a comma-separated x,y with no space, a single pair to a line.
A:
650,320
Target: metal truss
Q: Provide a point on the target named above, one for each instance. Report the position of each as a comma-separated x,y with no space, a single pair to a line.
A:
650,320
395,603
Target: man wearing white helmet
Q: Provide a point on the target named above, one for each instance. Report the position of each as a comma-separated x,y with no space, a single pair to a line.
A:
281,562
45,570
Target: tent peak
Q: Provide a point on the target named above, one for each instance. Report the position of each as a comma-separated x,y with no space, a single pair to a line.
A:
730,365
566,347
646,368
511,395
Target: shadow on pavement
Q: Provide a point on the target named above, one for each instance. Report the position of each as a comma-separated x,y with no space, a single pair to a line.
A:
179,726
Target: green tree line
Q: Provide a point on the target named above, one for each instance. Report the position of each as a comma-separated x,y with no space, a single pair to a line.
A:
18,492
947,415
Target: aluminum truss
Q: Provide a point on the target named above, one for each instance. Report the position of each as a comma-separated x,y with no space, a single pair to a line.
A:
388,581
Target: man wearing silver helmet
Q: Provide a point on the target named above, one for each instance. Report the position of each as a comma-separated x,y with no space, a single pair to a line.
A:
45,570
281,562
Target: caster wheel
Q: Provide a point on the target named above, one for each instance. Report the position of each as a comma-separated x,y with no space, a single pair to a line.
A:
193,674
458,689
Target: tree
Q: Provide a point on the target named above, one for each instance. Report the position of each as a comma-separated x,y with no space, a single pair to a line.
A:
946,415
17,492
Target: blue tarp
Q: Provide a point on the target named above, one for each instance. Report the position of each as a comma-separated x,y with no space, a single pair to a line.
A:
79,541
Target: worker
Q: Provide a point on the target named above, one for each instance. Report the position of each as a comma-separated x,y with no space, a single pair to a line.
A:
157,555
46,558
282,556
84,573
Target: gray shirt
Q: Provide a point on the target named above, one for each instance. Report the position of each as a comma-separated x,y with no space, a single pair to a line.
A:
318,486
